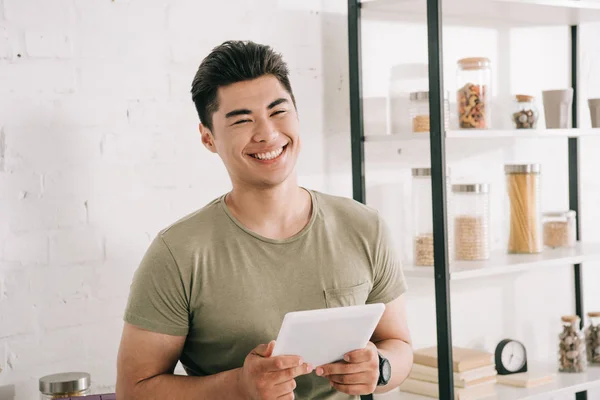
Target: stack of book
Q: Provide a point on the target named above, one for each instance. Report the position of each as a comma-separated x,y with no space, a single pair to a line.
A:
474,374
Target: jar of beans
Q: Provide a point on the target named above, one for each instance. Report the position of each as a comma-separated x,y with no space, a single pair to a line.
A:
471,214
592,338
473,97
572,355
559,229
526,113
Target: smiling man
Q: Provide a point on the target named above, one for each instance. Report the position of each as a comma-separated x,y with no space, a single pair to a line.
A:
213,288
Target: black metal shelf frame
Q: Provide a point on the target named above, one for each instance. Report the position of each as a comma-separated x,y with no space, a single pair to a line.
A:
438,175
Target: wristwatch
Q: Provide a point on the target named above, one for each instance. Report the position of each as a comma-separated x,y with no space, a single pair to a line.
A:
385,371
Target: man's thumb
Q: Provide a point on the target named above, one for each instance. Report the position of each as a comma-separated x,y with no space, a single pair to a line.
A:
265,350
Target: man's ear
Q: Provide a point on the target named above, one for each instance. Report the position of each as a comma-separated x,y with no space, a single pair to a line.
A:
207,138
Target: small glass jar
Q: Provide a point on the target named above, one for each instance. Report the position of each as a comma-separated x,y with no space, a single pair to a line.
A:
592,338
526,112
64,385
571,346
523,187
471,209
473,97
419,112
559,229
423,217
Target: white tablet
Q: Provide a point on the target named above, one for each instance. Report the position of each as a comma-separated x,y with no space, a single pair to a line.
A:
324,336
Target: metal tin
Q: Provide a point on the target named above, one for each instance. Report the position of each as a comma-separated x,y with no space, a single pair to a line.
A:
68,382
421,172
471,188
422,96
522,168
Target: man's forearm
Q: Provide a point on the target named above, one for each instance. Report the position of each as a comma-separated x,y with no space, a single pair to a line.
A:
400,355
223,385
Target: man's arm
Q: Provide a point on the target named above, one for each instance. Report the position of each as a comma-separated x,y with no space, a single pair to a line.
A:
359,372
147,360
145,366
392,338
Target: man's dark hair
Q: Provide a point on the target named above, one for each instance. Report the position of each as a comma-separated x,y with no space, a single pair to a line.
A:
231,62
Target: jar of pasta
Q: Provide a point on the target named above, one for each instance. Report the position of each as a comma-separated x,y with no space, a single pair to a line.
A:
474,78
523,186
64,385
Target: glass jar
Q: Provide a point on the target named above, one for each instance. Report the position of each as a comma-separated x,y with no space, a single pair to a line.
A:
423,217
64,385
471,214
474,80
571,346
592,338
419,112
559,229
523,187
526,112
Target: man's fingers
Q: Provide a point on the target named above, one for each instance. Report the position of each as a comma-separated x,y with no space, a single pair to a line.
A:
341,368
275,364
264,350
358,356
351,379
291,373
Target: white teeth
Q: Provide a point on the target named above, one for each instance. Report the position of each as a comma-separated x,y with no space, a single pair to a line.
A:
268,156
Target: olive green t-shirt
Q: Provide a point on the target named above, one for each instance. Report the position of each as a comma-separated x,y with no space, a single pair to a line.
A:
227,289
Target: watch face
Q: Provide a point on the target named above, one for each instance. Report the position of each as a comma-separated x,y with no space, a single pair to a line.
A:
386,371
513,356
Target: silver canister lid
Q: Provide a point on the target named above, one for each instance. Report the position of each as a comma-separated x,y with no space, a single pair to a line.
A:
421,172
471,188
560,214
422,96
68,382
522,168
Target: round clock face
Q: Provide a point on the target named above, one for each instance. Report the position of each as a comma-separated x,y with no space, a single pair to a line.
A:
513,356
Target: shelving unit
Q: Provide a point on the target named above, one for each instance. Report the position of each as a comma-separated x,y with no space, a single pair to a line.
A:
486,13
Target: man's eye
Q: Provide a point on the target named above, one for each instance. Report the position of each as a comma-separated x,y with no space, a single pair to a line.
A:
241,121
279,112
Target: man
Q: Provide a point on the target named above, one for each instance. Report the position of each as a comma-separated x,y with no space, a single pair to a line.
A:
213,288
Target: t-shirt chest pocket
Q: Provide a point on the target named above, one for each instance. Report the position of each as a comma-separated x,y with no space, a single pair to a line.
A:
347,296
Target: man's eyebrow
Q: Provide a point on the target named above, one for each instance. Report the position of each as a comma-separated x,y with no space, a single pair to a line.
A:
241,111
277,102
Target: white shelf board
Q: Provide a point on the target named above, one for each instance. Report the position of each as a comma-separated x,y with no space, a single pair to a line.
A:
490,134
501,263
490,12
563,383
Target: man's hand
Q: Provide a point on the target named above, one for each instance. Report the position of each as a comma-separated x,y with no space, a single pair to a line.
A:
265,378
357,374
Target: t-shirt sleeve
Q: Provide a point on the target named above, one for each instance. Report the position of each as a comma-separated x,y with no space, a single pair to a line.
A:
388,278
157,298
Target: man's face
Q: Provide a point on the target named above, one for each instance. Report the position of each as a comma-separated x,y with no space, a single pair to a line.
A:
256,132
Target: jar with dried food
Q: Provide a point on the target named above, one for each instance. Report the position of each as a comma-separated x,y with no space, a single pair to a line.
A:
523,186
474,78
592,338
423,217
419,112
526,113
64,385
471,209
571,346
559,229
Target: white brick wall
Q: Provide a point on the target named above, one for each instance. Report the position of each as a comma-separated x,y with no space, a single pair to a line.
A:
99,149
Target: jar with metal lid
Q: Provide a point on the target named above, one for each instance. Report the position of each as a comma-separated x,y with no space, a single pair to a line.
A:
572,355
523,187
526,112
64,385
419,112
474,80
423,217
559,229
471,214
592,338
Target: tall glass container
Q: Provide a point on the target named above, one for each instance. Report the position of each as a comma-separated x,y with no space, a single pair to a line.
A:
571,346
523,186
471,205
474,80
592,338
